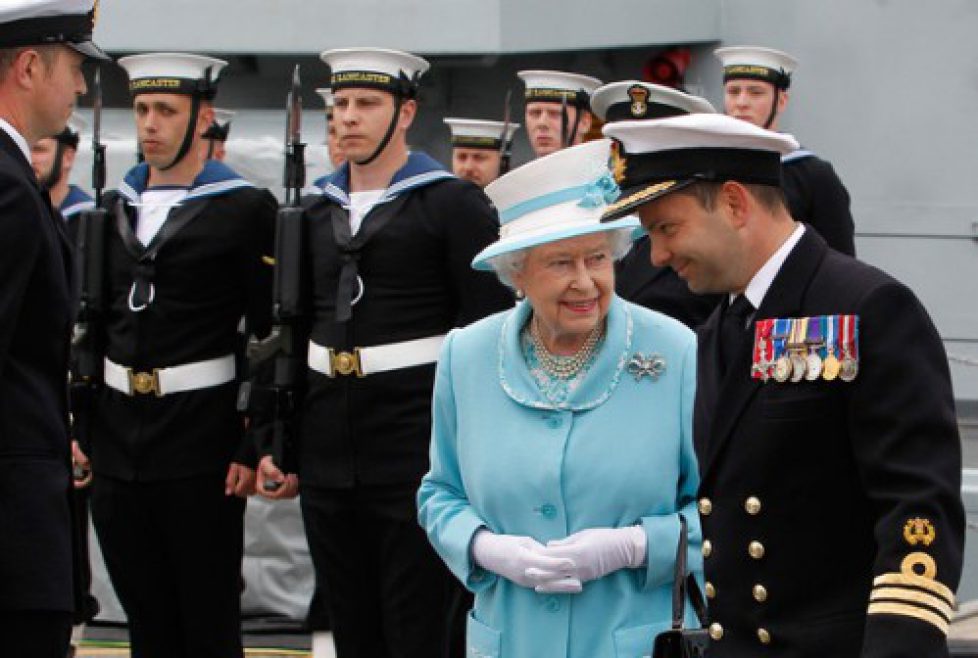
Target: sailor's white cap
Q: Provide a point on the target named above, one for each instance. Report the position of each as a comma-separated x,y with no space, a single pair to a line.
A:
555,86
477,133
757,63
379,68
172,73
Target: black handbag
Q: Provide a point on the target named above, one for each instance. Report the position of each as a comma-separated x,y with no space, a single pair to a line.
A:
680,642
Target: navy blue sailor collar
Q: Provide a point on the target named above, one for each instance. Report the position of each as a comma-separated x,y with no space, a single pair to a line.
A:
215,179
419,170
75,202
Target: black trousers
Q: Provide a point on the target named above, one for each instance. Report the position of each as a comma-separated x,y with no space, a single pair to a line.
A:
173,552
39,634
389,595
88,607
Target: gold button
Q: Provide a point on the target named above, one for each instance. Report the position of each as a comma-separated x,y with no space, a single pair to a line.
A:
756,550
716,632
707,548
706,506
711,591
753,505
760,593
764,636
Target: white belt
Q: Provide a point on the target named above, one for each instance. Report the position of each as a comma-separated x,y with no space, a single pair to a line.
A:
364,361
175,379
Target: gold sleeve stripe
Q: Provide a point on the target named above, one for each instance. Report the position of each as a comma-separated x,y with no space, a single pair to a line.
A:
903,609
268,260
900,594
932,586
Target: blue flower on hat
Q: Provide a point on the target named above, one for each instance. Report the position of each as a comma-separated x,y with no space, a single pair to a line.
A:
600,192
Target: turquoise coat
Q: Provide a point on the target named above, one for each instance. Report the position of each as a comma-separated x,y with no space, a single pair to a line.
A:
619,452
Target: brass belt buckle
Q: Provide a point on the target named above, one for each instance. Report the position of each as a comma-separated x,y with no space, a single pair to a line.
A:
345,363
145,383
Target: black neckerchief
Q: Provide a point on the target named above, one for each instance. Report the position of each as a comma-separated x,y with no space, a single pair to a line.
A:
350,246
142,292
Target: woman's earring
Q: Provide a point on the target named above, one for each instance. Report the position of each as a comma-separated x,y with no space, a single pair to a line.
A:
519,294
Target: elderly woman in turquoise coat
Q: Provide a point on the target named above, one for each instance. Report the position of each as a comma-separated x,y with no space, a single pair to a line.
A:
561,452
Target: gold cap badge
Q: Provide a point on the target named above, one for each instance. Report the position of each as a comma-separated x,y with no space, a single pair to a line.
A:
640,97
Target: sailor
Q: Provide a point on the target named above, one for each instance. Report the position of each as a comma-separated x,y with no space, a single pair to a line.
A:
390,240
557,111
188,256
755,89
216,135
480,149
53,159
824,425
332,142
636,278
43,44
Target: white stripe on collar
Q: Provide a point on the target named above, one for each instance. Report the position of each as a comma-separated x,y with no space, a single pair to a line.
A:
76,208
799,154
336,194
199,192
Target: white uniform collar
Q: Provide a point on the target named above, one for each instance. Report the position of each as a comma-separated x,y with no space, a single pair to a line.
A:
19,140
756,290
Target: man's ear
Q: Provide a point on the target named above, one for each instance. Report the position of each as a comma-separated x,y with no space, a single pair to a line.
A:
68,159
584,126
782,100
736,202
409,109
205,117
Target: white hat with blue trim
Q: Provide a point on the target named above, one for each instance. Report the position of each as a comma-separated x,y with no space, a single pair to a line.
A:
556,197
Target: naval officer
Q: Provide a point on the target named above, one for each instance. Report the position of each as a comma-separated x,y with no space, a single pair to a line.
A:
824,423
43,44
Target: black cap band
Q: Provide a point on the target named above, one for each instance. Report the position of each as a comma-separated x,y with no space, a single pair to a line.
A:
579,99
73,28
476,142
777,77
630,111
401,85
205,89
705,164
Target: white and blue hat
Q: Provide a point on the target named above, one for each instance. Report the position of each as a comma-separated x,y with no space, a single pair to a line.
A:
556,197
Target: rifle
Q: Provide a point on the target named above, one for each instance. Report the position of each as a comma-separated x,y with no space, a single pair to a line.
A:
280,344
90,271
505,145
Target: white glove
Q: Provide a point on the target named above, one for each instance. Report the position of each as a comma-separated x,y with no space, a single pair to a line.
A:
596,552
522,560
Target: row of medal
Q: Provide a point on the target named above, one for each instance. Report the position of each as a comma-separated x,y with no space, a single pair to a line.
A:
795,349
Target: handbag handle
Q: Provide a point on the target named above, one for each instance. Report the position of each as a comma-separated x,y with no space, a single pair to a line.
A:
685,582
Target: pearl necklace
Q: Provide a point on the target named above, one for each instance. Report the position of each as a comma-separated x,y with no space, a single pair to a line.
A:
564,367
